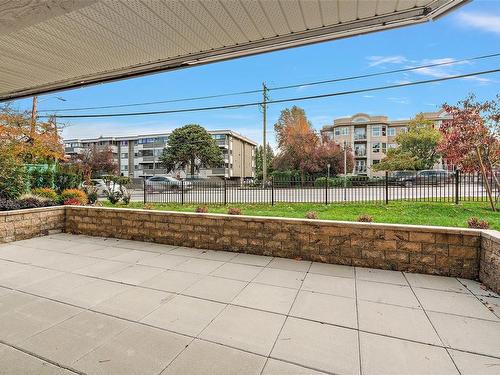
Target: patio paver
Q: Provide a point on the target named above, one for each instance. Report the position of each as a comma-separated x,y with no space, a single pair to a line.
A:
110,306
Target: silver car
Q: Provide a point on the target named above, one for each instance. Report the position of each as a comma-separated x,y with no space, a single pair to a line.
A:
161,184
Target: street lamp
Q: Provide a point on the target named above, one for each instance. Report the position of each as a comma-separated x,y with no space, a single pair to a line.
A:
328,173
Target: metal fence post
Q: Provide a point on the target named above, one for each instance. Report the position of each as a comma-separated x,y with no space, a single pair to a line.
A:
182,192
225,191
457,186
326,191
144,190
272,191
386,187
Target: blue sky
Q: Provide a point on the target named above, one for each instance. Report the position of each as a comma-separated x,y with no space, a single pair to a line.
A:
472,30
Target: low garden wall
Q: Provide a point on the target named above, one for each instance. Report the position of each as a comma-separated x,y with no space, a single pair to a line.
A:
489,268
22,224
467,253
433,250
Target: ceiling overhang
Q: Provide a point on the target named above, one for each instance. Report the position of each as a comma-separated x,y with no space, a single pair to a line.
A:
49,45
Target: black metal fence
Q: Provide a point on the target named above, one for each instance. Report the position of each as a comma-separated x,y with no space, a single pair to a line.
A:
433,186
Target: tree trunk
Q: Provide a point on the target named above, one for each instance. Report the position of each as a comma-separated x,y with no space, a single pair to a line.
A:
192,167
485,179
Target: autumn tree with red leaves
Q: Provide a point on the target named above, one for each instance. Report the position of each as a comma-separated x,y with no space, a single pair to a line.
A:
94,162
301,148
471,138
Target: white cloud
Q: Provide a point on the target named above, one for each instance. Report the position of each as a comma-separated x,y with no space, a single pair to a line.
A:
485,22
384,60
368,96
398,100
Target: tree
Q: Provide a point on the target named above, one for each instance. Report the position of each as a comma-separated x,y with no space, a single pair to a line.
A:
41,146
471,138
330,152
300,147
13,178
191,146
297,141
95,162
417,148
259,159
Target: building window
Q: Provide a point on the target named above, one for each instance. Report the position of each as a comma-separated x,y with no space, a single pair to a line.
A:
124,155
376,131
341,131
392,145
124,143
219,137
384,131
124,168
375,162
376,147
403,130
391,132
384,148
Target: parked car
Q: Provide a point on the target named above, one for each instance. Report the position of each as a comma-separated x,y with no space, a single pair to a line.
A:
102,188
426,177
166,183
201,183
396,178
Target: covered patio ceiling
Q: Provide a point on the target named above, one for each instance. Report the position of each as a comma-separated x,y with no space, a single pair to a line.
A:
48,45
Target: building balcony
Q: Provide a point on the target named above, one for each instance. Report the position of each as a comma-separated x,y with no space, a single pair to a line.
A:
360,137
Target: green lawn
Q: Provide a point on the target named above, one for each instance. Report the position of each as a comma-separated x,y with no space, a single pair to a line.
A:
423,213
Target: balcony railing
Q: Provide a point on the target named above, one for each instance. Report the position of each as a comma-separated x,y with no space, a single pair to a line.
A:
359,137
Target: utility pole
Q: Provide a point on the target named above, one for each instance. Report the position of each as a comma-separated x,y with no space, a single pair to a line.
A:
33,118
264,130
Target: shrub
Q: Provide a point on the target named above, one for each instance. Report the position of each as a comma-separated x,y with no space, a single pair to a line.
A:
64,180
13,177
45,192
113,196
41,178
74,193
365,218
234,211
475,223
72,202
333,182
34,202
24,203
148,206
311,215
91,192
126,195
201,209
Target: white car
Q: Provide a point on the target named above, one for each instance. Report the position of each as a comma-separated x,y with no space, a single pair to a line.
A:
102,188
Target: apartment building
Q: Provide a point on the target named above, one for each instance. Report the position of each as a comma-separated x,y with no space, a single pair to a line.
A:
369,137
139,156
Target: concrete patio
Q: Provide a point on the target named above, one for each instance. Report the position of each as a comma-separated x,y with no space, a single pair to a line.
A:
90,305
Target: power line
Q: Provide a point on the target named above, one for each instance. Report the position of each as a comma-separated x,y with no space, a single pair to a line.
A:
242,105
385,73
307,84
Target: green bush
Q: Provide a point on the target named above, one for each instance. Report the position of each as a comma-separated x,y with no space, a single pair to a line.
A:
64,180
45,193
74,194
13,177
332,182
40,178
286,175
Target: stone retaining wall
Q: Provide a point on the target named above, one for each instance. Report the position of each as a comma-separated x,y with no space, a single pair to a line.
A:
489,271
433,250
22,224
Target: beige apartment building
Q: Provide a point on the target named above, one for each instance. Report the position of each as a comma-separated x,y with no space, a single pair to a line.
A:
369,137
139,156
